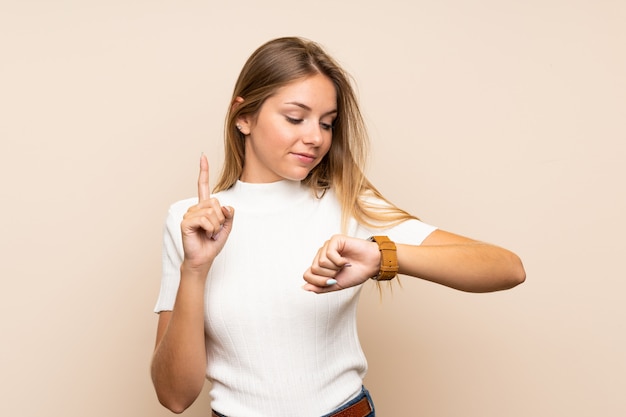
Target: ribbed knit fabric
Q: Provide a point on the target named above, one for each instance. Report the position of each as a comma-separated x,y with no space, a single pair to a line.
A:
274,349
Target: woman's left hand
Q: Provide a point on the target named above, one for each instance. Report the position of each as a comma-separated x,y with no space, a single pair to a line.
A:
342,262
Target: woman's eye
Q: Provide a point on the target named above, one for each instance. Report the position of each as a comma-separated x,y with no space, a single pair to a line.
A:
293,120
326,126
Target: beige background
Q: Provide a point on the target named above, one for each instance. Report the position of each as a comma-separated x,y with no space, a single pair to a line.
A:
504,121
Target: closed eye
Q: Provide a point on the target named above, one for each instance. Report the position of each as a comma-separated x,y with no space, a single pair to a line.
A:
293,121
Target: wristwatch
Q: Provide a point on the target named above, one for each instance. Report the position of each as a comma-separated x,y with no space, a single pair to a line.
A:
388,258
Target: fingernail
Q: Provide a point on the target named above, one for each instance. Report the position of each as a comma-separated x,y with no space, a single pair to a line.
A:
347,265
331,282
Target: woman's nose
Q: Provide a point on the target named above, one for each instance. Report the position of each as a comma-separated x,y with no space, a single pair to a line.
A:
314,134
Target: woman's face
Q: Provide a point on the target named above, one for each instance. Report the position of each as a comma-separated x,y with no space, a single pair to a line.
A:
291,132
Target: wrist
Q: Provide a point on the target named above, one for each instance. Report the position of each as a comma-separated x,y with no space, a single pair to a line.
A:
190,271
388,258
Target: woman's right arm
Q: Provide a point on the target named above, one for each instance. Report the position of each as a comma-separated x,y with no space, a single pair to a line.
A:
179,361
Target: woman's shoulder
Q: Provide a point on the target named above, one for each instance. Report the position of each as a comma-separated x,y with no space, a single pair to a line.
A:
180,207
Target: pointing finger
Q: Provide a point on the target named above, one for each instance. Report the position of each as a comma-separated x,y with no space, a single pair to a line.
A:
203,179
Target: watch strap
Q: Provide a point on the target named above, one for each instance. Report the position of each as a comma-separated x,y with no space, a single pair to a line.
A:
388,258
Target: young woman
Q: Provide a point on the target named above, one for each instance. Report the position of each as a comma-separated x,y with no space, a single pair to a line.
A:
291,217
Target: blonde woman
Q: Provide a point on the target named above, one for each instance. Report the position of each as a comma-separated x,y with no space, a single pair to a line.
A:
261,278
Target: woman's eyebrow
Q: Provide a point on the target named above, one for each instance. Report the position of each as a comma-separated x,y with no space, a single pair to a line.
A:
307,108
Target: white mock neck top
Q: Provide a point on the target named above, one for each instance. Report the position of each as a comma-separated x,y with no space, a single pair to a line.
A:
273,348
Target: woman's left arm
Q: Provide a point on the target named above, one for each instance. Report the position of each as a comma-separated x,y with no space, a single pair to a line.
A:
461,263
443,257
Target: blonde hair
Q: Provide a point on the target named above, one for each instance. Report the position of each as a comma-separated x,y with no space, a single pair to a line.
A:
278,63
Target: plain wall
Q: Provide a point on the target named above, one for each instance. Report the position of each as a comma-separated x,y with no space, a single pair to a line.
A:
503,121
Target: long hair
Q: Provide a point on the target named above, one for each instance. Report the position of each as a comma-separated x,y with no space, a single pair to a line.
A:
278,63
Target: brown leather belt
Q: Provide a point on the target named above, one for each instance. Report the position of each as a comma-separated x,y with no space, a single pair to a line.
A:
361,408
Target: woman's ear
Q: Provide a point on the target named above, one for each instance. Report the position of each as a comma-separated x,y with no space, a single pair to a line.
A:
242,126
243,121
238,100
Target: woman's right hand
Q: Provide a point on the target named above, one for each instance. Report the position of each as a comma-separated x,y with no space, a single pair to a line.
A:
205,226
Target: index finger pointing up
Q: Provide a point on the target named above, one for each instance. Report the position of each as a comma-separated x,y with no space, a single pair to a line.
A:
203,179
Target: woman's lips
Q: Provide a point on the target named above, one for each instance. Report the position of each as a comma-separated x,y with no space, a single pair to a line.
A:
304,157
